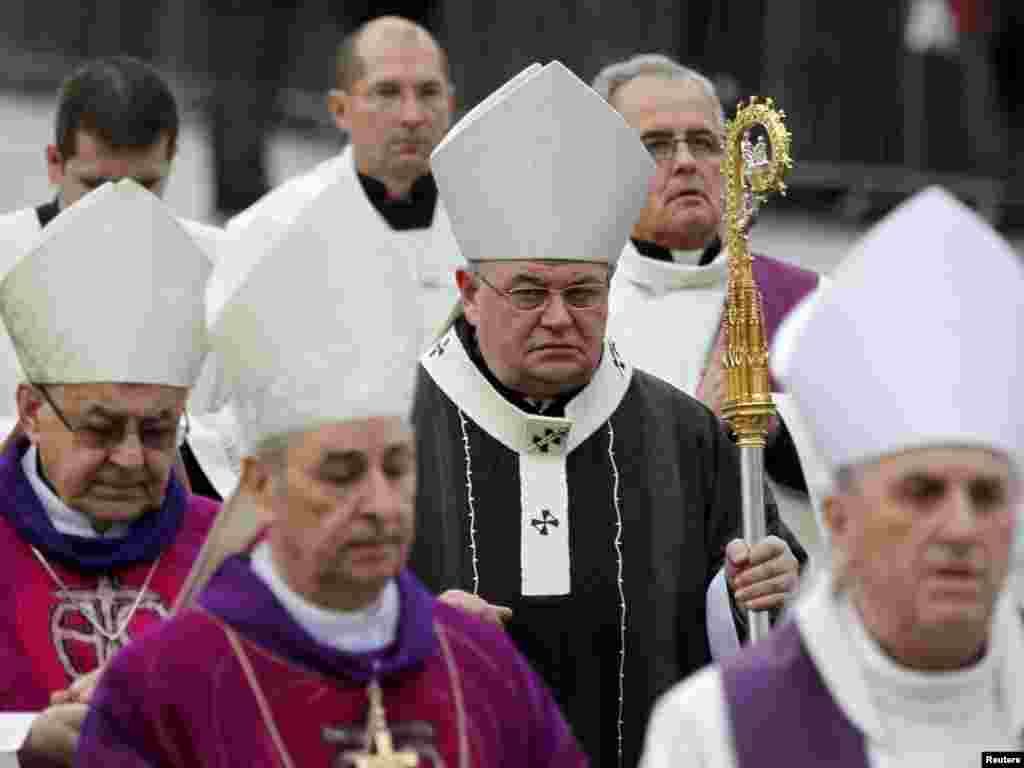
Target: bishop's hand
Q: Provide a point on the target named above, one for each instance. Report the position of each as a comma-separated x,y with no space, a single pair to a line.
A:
760,577
79,691
476,606
54,733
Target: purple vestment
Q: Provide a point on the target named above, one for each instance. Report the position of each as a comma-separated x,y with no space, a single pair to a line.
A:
46,639
183,696
782,287
782,711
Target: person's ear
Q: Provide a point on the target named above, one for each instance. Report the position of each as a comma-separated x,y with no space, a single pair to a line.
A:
29,403
469,289
54,165
256,479
339,104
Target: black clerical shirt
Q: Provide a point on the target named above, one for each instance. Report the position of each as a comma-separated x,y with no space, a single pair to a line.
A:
415,211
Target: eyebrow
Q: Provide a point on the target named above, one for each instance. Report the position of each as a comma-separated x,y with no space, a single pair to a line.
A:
526,277
104,413
666,134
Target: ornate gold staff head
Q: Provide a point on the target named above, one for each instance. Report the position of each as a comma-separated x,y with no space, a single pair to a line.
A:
752,171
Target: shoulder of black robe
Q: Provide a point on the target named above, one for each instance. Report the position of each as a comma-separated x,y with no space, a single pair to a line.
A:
413,212
781,460
197,479
47,212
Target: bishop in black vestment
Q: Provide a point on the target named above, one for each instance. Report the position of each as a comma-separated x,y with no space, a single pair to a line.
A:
593,500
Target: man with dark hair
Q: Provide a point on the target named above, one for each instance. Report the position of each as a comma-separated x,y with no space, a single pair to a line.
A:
116,119
394,101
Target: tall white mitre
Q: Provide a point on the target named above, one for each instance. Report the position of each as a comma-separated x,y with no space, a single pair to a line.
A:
112,291
917,342
542,169
311,329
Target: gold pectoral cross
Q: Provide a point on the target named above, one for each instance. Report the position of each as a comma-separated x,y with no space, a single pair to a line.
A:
379,751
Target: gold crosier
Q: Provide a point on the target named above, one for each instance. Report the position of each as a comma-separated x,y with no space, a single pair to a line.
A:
751,172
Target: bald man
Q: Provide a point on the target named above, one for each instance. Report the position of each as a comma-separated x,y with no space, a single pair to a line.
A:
393,100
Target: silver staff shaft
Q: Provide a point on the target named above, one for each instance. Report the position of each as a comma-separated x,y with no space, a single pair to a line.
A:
755,527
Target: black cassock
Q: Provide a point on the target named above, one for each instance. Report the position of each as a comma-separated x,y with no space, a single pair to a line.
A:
653,476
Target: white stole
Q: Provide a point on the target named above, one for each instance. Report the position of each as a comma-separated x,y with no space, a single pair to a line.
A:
542,444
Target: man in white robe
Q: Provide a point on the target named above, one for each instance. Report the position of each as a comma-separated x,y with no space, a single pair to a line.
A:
908,650
673,273
394,102
116,119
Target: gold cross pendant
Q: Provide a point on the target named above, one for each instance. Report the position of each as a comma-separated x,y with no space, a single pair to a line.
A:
379,751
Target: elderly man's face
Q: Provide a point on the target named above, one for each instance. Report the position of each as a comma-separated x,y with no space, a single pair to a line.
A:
925,536
343,510
398,112
684,201
114,466
540,352
95,162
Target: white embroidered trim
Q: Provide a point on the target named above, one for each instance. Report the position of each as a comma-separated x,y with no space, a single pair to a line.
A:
470,500
622,592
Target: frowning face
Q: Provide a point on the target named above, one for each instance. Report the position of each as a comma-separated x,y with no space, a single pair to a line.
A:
548,350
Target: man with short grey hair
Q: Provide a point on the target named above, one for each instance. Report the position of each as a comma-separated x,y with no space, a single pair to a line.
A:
673,273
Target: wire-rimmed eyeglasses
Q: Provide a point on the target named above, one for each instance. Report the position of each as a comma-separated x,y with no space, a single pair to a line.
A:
702,145
111,433
580,296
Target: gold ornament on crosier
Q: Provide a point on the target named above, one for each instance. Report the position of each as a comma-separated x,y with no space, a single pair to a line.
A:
751,171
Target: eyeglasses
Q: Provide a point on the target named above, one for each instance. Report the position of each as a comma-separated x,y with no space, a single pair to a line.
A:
583,296
702,146
111,433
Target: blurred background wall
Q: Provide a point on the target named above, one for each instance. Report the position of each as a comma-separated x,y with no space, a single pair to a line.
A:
882,97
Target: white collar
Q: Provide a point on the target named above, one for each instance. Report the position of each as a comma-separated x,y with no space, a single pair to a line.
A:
819,618
66,520
363,631
689,258
451,368
663,276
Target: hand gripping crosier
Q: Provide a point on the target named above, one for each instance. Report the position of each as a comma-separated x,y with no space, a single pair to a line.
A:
751,173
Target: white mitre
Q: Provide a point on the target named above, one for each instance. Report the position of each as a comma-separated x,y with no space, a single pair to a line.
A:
917,342
313,329
112,291
542,169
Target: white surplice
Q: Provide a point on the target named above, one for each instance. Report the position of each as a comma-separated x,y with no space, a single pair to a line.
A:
431,251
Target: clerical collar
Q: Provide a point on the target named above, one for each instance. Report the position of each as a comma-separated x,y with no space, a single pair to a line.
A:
371,629
901,694
700,258
65,519
47,212
416,211
552,407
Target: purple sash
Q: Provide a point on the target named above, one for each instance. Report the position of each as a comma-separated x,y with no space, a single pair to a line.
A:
782,286
779,706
